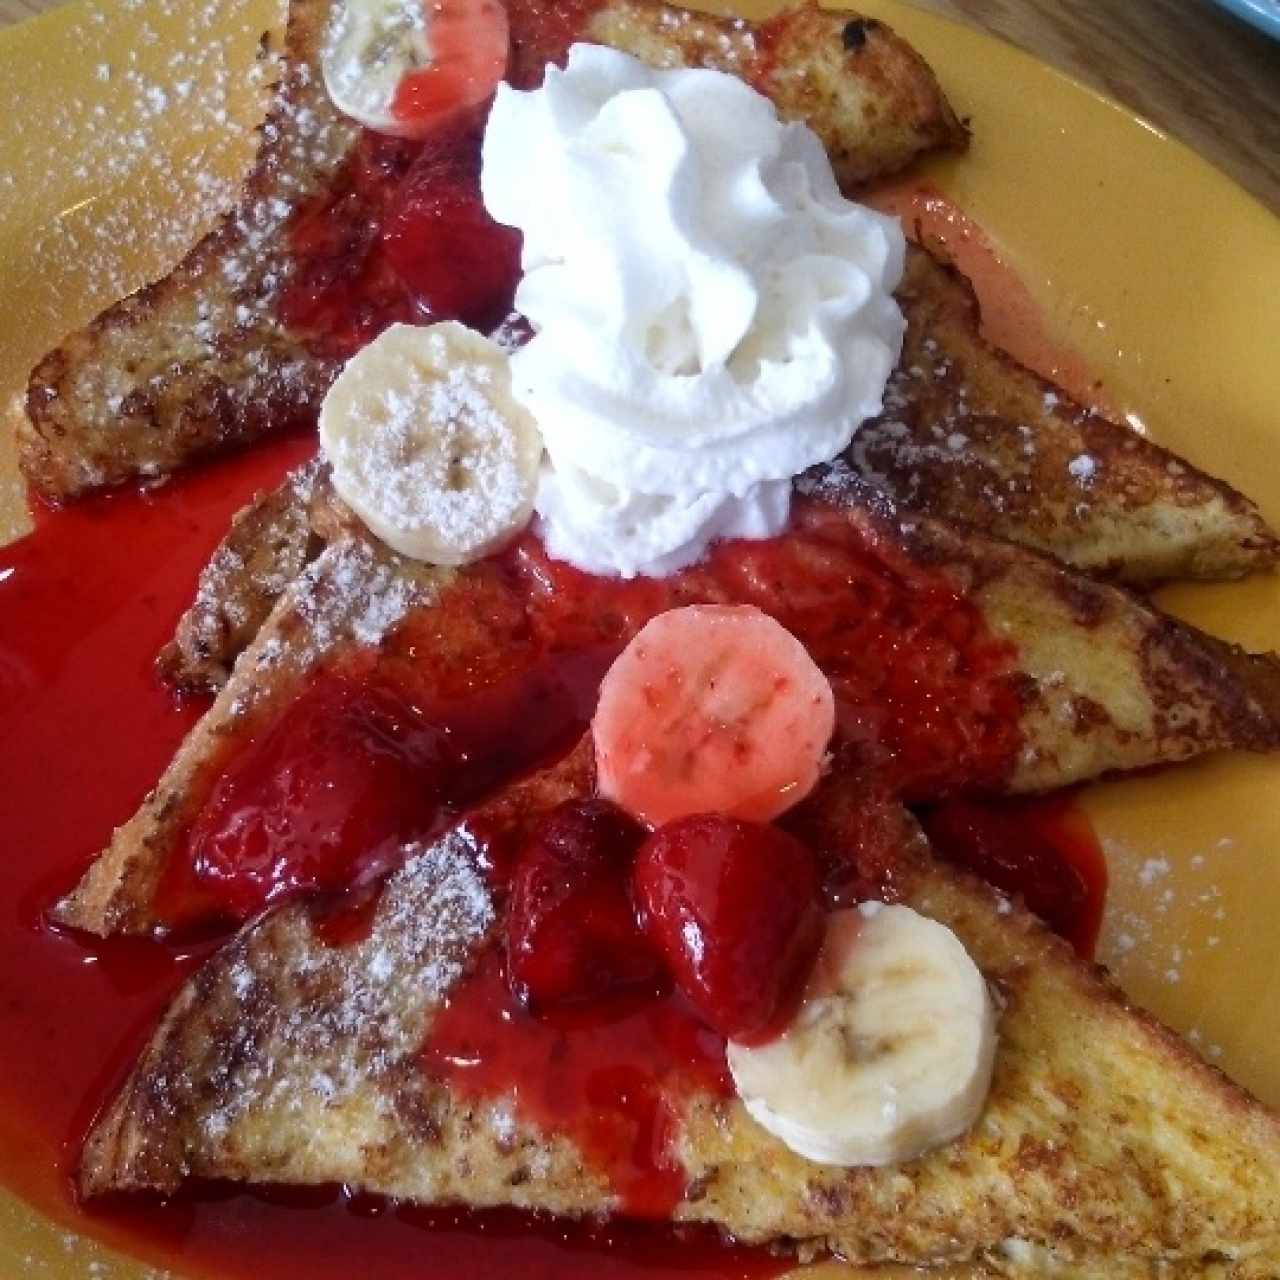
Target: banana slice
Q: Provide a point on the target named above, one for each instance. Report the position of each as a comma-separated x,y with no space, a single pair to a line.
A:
427,445
891,1051
402,66
372,46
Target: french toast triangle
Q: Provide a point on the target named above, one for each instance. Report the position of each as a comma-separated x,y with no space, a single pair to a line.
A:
1105,1144
200,361
1093,680
969,434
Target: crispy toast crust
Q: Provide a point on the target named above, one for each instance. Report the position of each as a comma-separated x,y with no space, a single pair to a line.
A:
269,544
1106,683
969,434
199,362
1104,1138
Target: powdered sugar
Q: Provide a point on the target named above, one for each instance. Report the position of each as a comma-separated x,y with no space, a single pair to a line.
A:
350,592
1082,468
127,177
1164,915
234,592
1152,870
467,479
114,153
339,1020
427,445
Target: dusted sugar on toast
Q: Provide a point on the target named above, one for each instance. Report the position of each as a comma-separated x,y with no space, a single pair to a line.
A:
969,435
242,340
245,336
1103,1141
1020,676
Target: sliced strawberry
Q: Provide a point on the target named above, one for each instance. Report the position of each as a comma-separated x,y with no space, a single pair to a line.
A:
712,708
571,931
469,42
734,907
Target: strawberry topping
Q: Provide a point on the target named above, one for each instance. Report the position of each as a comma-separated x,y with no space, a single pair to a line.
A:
734,907
572,935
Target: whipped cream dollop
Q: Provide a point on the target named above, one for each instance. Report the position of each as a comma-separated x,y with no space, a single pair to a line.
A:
711,317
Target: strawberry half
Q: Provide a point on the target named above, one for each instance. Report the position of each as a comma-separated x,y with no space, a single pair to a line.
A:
571,930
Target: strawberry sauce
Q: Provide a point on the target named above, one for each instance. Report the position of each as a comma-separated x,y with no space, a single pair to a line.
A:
926,697
400,236
1044,849
603,1075
85,603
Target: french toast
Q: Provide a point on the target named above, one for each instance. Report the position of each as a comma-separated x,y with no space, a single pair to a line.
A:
1105,1144
268,545
1095,680
295,1055
968,434
200,361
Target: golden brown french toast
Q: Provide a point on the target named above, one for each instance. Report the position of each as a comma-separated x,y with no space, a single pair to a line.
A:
1104,1144
200,361
268,545
1099,680
197,362
969,434
1115,684
344,601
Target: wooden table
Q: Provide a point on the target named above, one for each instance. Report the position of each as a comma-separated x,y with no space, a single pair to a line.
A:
1187,66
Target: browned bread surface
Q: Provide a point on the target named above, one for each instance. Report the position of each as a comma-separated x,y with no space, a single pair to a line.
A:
1104,1139
199,362
1108,682
1105,681
269,544
346,599
969,434
863,90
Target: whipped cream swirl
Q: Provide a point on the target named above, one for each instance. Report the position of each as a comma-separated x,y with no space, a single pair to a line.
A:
711,317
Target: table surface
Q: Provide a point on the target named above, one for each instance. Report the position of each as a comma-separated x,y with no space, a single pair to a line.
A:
1187,66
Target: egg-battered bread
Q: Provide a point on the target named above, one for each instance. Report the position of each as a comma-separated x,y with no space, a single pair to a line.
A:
1104,681
200,362
268,545
1106,1146
970,435
1105,1143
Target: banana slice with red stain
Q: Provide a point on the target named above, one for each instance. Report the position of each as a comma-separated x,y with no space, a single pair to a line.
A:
403,67
712,709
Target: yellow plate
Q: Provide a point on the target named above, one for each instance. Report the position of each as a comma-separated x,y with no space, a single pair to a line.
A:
135,120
